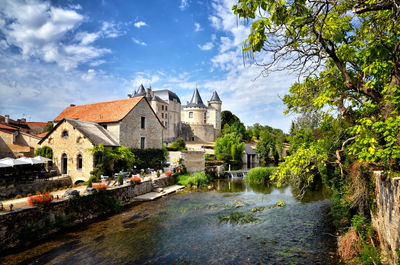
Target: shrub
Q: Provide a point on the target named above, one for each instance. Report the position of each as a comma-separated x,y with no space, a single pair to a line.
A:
90,181
158,173
120,180
259,175
149,158
136,179
100,186
197,179
178,145
41,199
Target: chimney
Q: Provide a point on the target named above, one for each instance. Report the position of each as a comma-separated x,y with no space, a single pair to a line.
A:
7,118
72,105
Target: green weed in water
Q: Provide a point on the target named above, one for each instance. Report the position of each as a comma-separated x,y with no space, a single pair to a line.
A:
238,218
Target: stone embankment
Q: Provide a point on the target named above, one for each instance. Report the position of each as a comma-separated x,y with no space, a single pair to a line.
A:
20,226
386,220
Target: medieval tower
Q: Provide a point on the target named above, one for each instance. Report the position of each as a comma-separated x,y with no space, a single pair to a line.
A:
201,123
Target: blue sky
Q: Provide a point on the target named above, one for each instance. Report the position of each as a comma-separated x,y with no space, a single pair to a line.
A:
56,53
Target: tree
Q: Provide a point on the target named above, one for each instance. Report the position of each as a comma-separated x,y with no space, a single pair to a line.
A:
347,54
228,117
44,151
266,148
229,147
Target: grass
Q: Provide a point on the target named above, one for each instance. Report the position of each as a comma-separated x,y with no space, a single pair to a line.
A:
197,179
259,175
238,218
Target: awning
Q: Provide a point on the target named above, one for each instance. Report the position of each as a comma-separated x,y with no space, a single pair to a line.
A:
10,162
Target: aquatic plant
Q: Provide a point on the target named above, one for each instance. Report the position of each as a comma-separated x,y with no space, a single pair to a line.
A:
40,199
280,203
238,218
259,175
197,179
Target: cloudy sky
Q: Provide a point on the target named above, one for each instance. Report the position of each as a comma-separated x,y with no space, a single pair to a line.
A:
54,53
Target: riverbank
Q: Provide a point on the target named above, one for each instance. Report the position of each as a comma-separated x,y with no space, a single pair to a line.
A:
29,224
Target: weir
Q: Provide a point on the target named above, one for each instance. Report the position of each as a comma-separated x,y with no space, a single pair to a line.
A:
236,174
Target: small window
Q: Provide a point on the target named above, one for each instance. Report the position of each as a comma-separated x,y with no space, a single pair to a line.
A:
51,140
166,115
190,114
79,140
162,115
162,107
166,124
166,108
142,142
64,134
79,162
142,122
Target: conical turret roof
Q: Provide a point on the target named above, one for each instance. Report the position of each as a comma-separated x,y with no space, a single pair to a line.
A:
215,97
196,100
141,91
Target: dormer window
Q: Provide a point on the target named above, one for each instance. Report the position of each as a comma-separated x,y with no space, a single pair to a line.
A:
65,134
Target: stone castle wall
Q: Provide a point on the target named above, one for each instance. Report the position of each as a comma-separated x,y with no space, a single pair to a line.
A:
386,220
194,161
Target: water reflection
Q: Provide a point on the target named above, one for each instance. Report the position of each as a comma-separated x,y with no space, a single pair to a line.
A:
185,229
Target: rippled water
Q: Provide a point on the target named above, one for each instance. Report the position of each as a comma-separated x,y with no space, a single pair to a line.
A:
185,229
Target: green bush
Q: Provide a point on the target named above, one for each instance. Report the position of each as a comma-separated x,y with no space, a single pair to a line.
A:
178,145
197,179
90,181
149,158
120,180
259,175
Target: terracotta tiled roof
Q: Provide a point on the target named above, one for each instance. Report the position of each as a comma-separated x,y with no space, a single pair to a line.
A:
109,111
41,135
6,127
38,123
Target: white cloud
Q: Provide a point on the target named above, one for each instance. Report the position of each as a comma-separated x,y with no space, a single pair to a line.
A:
144,79
206,46
45,32
197,27
111,30
184,4
139,42
140,24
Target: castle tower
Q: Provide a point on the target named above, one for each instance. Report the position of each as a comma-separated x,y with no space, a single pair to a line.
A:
214,105
195,112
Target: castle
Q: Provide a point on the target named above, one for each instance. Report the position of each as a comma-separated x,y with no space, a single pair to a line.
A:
193,122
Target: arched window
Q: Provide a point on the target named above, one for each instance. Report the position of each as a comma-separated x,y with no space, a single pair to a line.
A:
64,134
79,162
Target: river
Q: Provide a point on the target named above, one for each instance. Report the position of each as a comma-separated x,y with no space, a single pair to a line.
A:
186,228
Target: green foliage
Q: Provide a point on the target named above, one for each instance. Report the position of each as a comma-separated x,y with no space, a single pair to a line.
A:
228,147
149,158
259,175
48,127
197,179
44,151
120,179
90,181
178,145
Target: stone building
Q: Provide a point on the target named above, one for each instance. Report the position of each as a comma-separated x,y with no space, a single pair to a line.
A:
167,105
16,143
250,158
132,122
70,141
201,123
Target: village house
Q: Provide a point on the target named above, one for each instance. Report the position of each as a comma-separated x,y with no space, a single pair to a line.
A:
132,122
16,143
127,122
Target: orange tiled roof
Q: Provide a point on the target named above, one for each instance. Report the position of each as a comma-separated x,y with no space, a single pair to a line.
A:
109,111
41,135
3,126
38,123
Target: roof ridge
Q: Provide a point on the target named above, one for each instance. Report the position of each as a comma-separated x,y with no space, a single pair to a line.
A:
124,99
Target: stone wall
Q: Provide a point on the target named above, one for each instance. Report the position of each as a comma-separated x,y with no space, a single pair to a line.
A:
194,161
386,220
15,225
130,127
72,145
11,191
